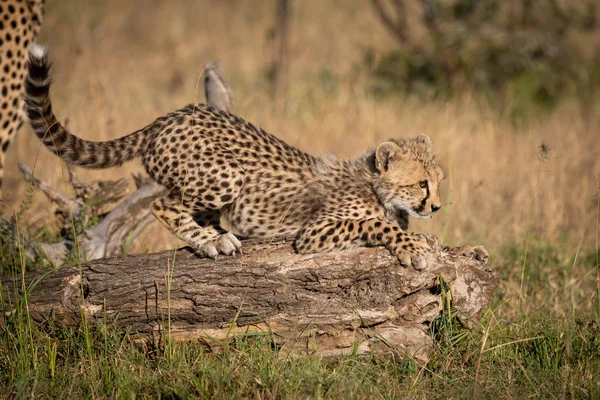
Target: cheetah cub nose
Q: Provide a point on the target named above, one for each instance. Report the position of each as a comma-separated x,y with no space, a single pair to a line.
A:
435,207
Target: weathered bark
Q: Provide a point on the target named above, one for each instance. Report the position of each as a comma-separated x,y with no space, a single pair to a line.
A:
331,303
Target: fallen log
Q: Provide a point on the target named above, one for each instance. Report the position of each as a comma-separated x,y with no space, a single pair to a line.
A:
358,300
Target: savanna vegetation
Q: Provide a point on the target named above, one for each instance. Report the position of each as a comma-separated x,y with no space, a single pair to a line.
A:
508,91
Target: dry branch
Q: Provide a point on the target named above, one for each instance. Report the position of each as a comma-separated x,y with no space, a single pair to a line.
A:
394,21
331,303
118,228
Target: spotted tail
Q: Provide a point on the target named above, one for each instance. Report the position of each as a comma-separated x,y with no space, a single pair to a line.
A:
53,134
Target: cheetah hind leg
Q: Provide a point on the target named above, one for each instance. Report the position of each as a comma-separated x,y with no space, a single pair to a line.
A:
207,241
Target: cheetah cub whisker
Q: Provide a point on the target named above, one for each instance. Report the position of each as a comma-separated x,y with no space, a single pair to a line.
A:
224,171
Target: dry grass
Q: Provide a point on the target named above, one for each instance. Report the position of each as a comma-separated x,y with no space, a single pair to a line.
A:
118,65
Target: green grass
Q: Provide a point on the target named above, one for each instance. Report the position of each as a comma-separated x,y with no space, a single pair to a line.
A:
537,357
542,352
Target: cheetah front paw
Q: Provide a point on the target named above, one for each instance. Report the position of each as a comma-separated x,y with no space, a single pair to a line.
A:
473,252
226,244
413,252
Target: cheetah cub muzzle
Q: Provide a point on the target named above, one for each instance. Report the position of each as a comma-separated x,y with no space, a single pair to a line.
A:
222,171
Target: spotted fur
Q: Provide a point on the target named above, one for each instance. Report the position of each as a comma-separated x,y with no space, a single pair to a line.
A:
20,22
228,177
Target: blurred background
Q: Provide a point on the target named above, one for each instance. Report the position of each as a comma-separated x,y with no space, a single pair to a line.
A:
507,89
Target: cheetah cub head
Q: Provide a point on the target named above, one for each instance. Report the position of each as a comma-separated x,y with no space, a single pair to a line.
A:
408,176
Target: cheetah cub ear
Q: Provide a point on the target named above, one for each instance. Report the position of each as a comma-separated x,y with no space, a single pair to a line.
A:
425,140
384,154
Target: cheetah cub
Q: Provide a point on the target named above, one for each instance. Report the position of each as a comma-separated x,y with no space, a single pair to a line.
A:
222,171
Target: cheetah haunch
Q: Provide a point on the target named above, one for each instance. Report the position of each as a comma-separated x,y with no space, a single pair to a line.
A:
224,172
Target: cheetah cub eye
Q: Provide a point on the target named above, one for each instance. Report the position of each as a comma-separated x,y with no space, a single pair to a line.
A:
423,184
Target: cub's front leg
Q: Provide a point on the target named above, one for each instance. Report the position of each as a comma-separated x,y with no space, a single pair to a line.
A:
329,234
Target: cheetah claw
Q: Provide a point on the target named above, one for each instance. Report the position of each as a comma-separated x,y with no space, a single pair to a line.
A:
417,261
226,244
477,253
416,258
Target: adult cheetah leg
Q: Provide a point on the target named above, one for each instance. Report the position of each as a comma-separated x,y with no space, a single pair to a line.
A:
181,220
330,234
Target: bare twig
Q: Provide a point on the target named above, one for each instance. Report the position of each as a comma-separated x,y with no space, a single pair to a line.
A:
54,196
396,24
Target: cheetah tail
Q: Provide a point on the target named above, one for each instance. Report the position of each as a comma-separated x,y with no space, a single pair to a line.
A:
53,134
